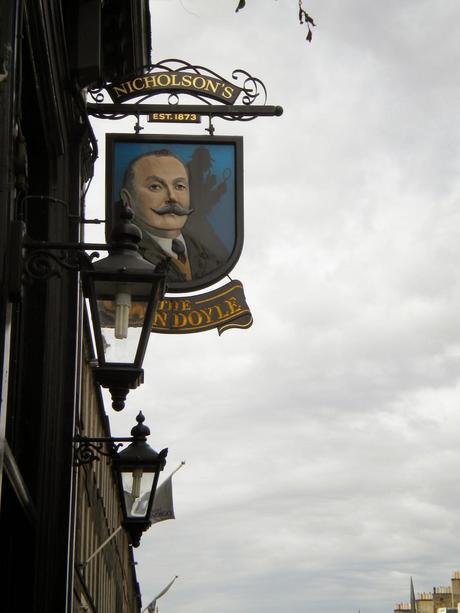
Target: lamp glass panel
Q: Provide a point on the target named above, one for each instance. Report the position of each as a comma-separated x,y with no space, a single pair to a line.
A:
121,326
137,486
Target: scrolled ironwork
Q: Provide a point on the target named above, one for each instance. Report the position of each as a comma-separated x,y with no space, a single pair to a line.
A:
112,116
86,453
240,118
252,88
44,262
97,95
173,99
88,450
42,265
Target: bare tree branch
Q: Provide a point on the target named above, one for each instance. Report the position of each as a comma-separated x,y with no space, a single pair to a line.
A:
304,18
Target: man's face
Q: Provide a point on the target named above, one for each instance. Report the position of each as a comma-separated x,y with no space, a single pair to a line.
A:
160,181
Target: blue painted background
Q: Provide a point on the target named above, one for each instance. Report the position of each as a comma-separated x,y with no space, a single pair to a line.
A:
223,216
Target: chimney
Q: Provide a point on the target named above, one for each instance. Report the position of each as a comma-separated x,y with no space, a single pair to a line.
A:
442,598
455,588
424,602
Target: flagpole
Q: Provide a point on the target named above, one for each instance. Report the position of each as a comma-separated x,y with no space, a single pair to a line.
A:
153,603
114,533
176,469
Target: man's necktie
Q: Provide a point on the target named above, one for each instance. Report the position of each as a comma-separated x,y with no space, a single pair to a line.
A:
179,249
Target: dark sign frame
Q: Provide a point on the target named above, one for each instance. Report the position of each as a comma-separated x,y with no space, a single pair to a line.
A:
215,165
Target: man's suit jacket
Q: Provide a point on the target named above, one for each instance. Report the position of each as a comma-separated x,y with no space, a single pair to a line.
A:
202,260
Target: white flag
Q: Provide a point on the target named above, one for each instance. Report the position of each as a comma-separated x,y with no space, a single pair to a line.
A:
151,606
163,507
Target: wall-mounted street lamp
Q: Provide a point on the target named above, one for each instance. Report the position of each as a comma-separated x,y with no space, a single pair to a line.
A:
122,291
138,468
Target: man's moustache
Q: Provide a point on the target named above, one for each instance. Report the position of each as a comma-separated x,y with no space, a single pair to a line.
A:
172,208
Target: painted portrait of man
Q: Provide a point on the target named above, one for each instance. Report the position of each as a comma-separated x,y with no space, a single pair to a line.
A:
184,200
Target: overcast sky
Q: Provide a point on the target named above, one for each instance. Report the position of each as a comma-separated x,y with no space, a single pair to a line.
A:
321,445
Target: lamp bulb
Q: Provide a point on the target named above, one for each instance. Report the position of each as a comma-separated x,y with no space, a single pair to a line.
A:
136,489
122,305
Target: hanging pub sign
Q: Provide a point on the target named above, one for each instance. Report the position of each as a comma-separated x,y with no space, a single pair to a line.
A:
187,196
186,192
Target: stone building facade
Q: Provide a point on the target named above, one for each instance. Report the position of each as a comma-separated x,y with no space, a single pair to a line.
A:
52,514
105,579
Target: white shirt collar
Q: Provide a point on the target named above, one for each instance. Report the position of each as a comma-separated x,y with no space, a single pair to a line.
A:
166,243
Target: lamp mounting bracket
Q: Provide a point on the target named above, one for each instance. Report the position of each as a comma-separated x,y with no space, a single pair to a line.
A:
32,260
87,450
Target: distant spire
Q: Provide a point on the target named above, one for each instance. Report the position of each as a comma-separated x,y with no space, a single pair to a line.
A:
413,608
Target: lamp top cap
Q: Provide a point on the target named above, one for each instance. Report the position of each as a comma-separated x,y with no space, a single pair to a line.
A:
124,229
139,454
139,431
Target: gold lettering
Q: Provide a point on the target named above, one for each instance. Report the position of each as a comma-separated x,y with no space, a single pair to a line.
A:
160,320
173,79
182,313
186,80
219,311
233,305
179,320
161,80
129,86
228,92
207,315
119,90
174,305
150,81
211,85
142,85
195,318
202,83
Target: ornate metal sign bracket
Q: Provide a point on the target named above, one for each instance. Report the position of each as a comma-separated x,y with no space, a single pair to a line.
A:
175,79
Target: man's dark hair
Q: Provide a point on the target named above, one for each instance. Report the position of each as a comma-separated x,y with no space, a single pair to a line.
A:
128,177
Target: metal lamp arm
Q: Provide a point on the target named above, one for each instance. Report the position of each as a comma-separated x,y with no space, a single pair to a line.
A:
87,450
